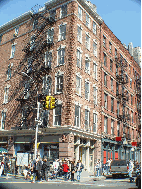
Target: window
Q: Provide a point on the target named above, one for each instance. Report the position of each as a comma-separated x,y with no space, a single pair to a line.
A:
104,41
50,35
115,53
112,127
118,109
62,32
94,28
117,88
105,124
9,72
57,115
32,43
78,85
116,69
29,67
129,69
131,83
79,12
105,100
105,60
94,122
112,104
111,65
12,51
87,41
111,84
48,59
132,117
47,84
95,49
118,129
87,20
59,83
87,117
53,13
105,79
77,116
95,95
35,23
3,118
79,33
0,39
79,58
6,91
61,56
87,66
17,30
110,47
95,70
63,11
131,99
87,90
26,90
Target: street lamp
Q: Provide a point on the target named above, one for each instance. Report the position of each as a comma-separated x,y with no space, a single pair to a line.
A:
38,107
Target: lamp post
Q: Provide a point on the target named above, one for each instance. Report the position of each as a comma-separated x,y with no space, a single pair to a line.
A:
38,107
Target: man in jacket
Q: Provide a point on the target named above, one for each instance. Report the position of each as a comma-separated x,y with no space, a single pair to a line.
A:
79,167
65,170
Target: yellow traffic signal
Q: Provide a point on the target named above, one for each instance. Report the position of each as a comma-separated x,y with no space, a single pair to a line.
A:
52,104
38,144
47,102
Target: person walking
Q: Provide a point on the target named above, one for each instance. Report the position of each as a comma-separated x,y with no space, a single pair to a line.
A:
72,170
97,168
45,169
79,167
34,169
39,169
65,170
131,170
55,167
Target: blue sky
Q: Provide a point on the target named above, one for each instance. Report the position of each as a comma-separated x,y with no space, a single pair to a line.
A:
123,17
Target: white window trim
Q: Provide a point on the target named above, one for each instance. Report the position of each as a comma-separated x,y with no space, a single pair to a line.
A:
95,71
112,126
79,105
59,37
105,126
86,81
78,49
13,52
58,74
78,75
88,110
79,12
2,119
87,21
94,30
45,60
95,51
54,116
60,48
48,35
79,39
87,43
6,91
96,113
87,59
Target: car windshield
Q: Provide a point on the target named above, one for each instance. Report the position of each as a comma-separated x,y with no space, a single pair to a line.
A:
119,163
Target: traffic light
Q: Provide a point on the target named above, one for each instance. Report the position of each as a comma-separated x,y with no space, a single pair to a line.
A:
47,102
52,104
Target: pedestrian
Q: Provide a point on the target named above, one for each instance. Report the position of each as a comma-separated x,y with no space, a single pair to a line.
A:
72,170
131,170
65,170
2,166
60,169
34,169
6,166
108,166
100,168
79,167
25,171
39,169
55,167
45,169
97,168
69,171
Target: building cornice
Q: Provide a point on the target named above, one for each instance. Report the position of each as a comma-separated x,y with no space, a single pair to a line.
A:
15,21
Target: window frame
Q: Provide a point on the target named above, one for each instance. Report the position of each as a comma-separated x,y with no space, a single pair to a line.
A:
79,33
79,88
62,33
13,48
78,116
79,58
95,93
87,41
60,56
95,48
87,115
105,124
105,100
58,115
95,122
87,20
87,91
63,12
3,119
80,10
94,27
95,69
59,78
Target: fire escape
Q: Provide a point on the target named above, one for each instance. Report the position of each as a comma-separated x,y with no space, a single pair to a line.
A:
122,99
33,69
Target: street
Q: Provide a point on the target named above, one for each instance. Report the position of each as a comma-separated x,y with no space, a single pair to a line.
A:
20,183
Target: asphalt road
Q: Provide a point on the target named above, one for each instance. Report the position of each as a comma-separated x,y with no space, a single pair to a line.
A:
20,183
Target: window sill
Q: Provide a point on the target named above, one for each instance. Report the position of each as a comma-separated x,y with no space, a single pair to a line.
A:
78,95
59,65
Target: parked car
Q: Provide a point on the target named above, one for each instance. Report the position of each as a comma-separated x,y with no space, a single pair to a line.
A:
119,168
138,180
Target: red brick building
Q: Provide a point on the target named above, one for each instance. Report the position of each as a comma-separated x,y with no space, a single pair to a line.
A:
79,50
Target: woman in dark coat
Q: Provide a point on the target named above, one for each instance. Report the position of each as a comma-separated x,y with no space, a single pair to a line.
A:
72,170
